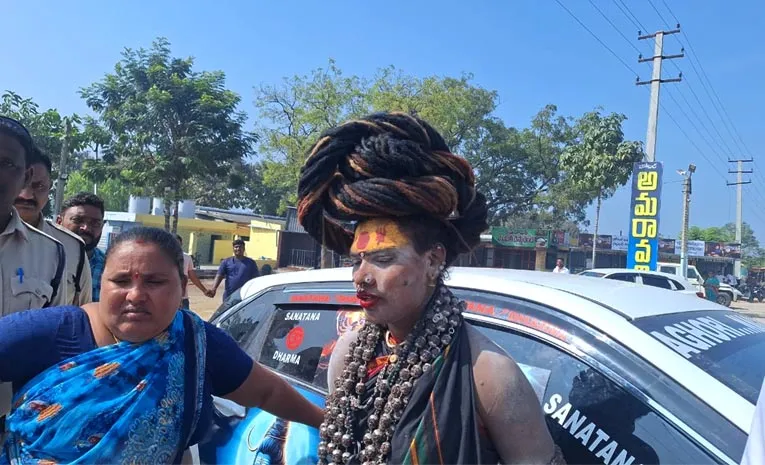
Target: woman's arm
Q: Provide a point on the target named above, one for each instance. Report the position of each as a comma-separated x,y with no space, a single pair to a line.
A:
266,390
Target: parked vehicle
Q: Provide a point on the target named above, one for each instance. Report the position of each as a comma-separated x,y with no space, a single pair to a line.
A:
667,281
631,373
727,294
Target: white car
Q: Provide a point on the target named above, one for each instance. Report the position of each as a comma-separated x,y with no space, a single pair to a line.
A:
625,374
727,292
647,278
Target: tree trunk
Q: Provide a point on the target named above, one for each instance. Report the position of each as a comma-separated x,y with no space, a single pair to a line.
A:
176,201
597,224
168,205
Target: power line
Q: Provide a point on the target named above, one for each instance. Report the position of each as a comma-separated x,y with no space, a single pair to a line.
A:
670,11
701,133
595,36
614,26
631,16
659,14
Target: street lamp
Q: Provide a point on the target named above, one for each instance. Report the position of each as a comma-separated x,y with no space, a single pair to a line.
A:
686,174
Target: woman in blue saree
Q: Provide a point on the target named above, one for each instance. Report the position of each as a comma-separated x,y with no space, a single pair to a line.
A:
129,379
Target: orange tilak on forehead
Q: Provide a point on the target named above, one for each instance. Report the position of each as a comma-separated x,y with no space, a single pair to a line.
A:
378,234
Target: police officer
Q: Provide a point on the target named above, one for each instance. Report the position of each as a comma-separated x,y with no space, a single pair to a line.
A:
30,203
31,262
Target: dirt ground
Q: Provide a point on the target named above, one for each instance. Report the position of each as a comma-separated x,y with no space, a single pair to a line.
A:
754,310
205,306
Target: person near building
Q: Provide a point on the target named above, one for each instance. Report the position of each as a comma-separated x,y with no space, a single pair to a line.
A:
83,214
32,263
236,270
191,274
30,204
712,287
129,379
416,383
560,267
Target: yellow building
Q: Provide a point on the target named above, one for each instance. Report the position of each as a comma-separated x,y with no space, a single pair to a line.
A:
207,240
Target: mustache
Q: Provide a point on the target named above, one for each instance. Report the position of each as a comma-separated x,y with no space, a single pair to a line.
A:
20,201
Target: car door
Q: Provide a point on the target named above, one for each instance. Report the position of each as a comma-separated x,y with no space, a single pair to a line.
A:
601,403
292,331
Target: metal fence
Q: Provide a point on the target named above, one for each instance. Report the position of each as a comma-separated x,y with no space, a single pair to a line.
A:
303,258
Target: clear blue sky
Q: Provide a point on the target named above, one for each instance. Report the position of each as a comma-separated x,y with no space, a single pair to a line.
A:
530,51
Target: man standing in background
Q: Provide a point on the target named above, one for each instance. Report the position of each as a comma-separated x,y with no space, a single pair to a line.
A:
191,274
83,215
560,267
236,270
30,204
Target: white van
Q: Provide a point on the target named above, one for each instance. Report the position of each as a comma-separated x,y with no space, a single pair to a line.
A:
727,295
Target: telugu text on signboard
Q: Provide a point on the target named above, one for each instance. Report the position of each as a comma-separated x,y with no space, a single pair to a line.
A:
643,250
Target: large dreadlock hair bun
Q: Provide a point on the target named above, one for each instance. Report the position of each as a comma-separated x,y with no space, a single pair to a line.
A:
390,165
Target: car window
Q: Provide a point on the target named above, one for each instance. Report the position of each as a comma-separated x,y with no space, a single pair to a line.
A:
626,277
243,322
300,339
726,345
692,273
677,285
591,418
656,281
667,269
592,274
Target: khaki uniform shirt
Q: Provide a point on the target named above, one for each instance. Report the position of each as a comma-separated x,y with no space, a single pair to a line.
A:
36,254
74,249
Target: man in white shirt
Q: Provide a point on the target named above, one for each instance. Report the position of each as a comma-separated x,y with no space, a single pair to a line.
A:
560,267
188,270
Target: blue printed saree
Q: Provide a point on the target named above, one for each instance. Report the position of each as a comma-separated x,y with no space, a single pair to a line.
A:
123,403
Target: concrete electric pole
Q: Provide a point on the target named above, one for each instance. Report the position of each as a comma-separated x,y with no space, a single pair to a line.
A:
739,172
687,190
656,82
62,173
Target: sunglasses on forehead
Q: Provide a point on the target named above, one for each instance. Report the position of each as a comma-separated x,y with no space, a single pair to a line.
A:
15,128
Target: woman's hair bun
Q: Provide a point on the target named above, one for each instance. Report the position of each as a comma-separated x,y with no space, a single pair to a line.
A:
388,165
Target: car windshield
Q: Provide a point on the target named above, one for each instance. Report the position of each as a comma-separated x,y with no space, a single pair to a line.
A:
593,274
692,274
728,346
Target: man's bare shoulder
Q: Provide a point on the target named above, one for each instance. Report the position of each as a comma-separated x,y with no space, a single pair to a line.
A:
337,359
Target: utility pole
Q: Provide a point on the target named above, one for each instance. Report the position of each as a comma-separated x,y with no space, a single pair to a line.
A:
62,174
739,172
687,190
656,82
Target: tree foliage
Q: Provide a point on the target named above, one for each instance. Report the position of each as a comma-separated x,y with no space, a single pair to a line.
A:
600,160
751,252
519,170
114,192
169,126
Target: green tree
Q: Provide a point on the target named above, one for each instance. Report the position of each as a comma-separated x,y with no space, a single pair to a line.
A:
751,252
600,160
169,126
114,192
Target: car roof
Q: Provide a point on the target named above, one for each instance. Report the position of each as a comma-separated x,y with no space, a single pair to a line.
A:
626,299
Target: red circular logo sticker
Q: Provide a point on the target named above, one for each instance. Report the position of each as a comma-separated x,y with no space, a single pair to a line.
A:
295,338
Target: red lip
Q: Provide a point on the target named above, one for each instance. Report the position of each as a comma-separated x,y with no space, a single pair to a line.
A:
367,300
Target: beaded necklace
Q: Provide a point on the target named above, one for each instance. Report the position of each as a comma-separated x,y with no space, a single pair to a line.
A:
393,387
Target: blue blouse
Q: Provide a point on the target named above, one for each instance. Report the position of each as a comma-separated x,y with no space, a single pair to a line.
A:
34,340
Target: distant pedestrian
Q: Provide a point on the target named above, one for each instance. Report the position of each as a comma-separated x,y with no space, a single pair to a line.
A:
712,287
83,215
191,274
560,267
236,270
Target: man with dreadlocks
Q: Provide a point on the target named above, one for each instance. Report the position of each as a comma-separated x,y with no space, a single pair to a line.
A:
416,383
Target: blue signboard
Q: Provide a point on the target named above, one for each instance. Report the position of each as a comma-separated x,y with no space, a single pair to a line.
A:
643,249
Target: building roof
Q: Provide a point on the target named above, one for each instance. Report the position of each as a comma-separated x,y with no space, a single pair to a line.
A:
293,225
231,216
